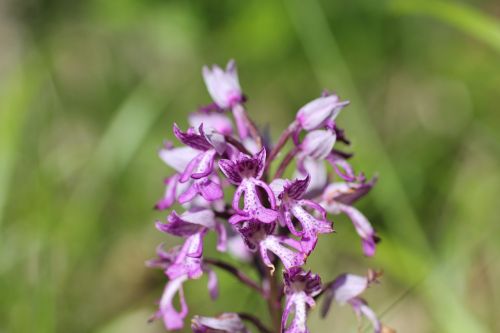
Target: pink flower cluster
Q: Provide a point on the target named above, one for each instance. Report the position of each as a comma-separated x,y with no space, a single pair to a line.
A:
271,220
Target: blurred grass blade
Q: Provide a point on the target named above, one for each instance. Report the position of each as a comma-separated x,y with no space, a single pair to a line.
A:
461,16
15,98
125,133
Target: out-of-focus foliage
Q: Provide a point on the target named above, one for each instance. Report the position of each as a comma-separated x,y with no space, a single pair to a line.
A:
89,89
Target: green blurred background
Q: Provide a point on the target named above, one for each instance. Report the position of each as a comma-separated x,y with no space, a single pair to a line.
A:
89,89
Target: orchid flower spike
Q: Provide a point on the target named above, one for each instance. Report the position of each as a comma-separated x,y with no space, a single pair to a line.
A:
222,181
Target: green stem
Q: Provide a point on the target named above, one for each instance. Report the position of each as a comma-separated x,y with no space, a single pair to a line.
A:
273,302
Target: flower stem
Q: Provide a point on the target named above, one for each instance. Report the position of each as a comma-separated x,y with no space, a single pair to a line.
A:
256,321
245,124
273,302
284,164
281,141
235,272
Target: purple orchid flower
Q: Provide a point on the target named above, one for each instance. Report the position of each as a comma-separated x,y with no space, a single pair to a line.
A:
165,259
318,144
246,172
185,262
293,205
346,289
312,151
174,319
338,198
318,112
174,189
338,160
201,168
300,289
193,225
178,159
258,236
223,86
170,193
225,323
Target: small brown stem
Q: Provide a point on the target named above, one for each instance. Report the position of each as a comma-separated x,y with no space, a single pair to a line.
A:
273,302
240,113
236,273
281,142
254,320
254,131
236,143
284,164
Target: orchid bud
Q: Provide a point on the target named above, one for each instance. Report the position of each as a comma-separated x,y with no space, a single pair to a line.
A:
316,113
223,85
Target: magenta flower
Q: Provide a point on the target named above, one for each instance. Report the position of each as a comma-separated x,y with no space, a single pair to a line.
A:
342,168
300,289
319,112
193,225
173,318
225,323
228,184
223,86
170,193
346,289
185,262
258,236
318,144
200,169
246,172
292,205
337,199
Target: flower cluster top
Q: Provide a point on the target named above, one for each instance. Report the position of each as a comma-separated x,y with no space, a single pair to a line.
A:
270,222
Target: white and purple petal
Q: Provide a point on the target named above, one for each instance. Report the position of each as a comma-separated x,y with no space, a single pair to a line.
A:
178,158
192,138
318,144
172,318
225,323
363,228
317,112
223,86
218,121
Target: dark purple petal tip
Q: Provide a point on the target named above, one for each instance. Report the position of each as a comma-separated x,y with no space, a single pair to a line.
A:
297,188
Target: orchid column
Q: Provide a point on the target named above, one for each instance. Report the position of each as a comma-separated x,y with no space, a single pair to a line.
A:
273,222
